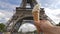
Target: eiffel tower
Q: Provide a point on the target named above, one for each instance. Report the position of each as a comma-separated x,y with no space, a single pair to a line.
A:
24,12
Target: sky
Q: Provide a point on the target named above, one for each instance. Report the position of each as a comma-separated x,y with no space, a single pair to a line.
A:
27,27
7,9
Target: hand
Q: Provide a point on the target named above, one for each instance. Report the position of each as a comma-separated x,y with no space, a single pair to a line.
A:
43,25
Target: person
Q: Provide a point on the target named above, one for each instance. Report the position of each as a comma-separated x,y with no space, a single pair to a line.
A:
47,28
43,25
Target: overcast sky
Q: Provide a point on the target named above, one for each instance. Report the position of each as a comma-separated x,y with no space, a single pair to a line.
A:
7,8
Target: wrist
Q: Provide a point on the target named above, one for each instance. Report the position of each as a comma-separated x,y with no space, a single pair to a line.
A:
54,30
48,29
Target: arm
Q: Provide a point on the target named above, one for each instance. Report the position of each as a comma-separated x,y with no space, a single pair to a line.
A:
55,30
48,28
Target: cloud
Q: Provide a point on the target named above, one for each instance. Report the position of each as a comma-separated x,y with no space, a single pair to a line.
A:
6,11
1,15
5,15
58,15
17,2
52,9
7,6
53,4
52,14
27,27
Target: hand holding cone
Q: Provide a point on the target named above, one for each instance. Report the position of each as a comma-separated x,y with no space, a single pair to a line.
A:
35,13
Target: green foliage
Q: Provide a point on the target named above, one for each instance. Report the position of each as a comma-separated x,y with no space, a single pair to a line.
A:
58,24
2,27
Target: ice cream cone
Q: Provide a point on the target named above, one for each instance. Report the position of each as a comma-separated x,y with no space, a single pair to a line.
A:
35,12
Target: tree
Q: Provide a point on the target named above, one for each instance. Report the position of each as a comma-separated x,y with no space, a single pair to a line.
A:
2,27
58,24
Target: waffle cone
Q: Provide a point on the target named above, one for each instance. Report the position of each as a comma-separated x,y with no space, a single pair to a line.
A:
35,12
